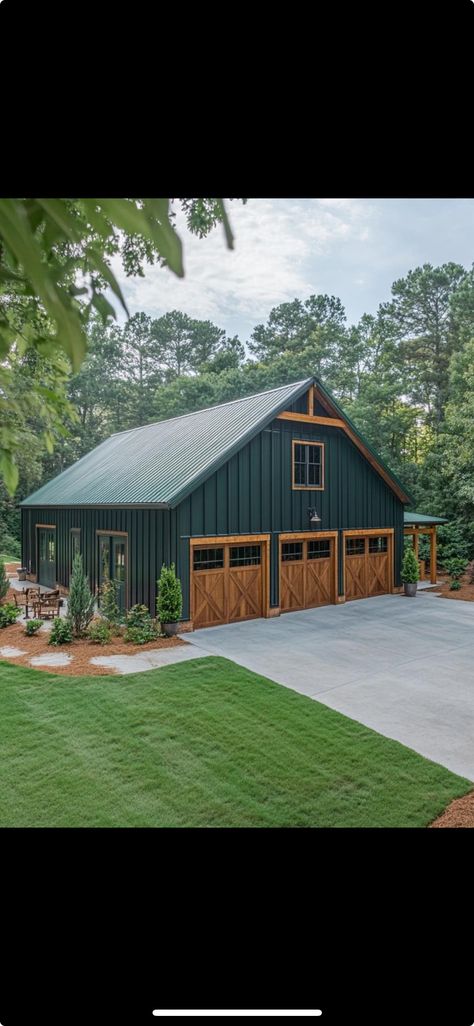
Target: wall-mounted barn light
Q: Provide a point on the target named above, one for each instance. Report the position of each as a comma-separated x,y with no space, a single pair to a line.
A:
313,515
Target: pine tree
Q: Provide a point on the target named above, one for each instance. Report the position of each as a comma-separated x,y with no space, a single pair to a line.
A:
81,602
4,582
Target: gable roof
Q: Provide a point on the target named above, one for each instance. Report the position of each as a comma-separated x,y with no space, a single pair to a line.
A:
160,464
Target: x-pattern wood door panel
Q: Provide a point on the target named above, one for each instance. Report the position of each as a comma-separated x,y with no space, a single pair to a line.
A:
307,583
292,586
319,582
378,573
245,593
209,598
230,593
367,574
356,577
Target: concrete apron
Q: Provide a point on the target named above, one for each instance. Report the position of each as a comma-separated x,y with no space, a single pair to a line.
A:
402,666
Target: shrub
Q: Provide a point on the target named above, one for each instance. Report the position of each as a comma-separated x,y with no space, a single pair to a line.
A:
455,567
81,603
138,616
455,586
10,546
140,635
32,626
410,570
8,614
100,632
61,632
4,582
169,602
108,602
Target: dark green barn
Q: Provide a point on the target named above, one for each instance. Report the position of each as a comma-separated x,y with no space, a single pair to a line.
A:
267,504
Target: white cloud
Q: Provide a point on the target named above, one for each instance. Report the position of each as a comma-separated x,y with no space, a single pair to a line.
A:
275,243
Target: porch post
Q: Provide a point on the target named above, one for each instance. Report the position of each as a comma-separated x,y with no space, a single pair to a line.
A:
433,567
415,541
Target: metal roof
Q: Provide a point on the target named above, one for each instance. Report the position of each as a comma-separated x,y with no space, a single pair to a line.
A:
159,464
422,518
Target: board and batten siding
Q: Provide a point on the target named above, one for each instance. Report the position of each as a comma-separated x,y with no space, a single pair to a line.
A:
250,494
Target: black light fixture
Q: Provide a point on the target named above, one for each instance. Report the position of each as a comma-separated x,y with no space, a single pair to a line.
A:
313,515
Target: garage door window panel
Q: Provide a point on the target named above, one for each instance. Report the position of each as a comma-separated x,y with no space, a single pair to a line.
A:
208,559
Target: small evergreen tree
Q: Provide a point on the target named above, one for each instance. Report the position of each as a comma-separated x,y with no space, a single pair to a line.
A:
80,603
108,602
410,570
169,602
4,582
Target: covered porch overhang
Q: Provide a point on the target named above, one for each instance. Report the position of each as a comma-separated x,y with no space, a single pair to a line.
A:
421,523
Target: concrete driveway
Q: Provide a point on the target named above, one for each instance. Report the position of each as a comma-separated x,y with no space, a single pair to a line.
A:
402,666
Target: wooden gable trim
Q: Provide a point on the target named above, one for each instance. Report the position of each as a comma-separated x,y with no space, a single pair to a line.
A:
336,422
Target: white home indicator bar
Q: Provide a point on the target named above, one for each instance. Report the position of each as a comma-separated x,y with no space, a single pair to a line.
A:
236,1011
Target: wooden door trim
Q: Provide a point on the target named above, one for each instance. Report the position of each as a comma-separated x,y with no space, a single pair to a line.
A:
367,532
306,536
234,539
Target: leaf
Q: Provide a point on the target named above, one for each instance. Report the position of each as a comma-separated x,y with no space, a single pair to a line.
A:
132,220
225,221
58,212
97,261
48,441
22,243
103,306
9,471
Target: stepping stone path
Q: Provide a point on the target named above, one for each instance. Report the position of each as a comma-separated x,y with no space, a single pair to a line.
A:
9,652
148,660
55,659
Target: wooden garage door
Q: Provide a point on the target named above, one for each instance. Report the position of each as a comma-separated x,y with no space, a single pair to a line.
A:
367,565
227,583
306,573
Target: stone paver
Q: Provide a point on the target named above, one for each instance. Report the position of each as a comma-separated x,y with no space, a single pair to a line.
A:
403,666
149,660
9,652
51,659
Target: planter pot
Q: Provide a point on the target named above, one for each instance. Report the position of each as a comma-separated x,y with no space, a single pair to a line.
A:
170,628
410,588
21,573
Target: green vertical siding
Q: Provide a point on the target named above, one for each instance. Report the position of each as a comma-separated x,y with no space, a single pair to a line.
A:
251,493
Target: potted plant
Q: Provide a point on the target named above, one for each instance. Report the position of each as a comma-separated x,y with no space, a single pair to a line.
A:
22,572
169,601
410,573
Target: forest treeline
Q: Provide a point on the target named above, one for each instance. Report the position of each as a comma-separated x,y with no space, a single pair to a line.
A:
404,374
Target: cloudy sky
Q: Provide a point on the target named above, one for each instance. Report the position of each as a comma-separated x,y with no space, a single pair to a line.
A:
350,248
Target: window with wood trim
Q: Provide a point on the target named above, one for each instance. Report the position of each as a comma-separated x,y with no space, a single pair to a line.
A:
291,552
208,559
245,555
379,544
355,546
308,465
319,549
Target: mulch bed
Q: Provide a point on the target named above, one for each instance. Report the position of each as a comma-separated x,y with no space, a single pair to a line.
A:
466,591
82,651
459,813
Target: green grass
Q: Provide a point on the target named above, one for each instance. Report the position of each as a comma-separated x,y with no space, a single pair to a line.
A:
5,558
201,743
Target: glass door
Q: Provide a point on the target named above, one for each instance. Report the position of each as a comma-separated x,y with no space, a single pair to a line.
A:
113,564
47,557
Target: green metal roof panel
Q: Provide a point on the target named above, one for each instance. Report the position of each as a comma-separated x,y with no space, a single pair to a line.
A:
160,463
422,518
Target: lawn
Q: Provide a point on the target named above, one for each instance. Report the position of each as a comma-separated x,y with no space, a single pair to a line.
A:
204,743
5,558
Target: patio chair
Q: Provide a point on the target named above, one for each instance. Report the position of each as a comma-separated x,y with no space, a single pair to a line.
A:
47,606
